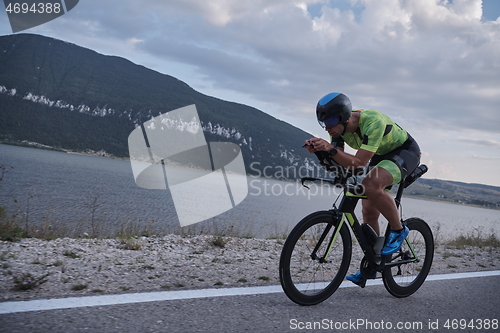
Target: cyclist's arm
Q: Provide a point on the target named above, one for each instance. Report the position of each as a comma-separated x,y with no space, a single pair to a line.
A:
357,161
374,129
346,160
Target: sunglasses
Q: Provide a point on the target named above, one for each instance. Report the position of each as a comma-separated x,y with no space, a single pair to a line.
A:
329,122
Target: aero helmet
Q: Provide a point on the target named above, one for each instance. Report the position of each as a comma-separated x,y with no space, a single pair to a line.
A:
334,105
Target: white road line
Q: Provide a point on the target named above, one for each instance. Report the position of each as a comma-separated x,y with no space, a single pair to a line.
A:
86,301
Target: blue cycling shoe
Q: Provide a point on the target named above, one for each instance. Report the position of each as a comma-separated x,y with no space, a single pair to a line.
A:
395,240
358,278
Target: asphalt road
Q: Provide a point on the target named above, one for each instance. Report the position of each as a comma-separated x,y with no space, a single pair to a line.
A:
437,307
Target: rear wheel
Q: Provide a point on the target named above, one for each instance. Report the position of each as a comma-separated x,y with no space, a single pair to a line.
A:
407,269
307,277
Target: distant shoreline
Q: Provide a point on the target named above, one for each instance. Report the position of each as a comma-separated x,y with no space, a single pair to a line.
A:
417,197
36,145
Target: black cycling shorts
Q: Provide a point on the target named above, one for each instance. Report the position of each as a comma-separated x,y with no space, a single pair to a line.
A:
400,162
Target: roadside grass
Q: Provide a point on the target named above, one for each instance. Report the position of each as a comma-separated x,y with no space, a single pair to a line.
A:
79,287
13,227
131,231
10,230
28,281
475,238
16,226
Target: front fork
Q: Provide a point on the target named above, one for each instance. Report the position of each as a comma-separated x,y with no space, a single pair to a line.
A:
324,259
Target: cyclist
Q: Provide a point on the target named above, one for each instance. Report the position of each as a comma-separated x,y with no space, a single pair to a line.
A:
390,152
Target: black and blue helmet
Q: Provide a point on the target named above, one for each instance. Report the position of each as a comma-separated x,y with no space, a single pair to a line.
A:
334,105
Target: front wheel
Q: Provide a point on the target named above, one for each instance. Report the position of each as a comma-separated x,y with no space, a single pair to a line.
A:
407,269
315,258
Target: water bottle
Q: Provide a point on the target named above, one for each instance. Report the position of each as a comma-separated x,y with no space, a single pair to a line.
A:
417,173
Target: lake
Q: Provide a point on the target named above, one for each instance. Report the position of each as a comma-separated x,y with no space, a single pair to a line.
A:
77,191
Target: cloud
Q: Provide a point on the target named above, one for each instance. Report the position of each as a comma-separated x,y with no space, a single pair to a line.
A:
435,60
478,142
486,158
432,61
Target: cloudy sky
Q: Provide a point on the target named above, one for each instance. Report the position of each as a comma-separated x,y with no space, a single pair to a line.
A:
432,65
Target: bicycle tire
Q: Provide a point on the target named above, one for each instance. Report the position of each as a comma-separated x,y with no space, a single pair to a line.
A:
308,281
405,279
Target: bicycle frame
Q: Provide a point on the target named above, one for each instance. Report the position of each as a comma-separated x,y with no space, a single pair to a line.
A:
346,207
345,212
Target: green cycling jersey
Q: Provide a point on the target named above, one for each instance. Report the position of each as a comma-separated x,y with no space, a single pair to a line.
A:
376,133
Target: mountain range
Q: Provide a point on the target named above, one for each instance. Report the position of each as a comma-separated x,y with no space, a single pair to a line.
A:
64,96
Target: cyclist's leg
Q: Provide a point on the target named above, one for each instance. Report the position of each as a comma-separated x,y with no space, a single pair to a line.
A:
383,201
388,170
371,215
394,166
375,184
379,201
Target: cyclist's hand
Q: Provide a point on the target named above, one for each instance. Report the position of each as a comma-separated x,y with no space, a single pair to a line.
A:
309,145
322,145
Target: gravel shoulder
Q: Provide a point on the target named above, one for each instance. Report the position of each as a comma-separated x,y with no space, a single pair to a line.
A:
76,267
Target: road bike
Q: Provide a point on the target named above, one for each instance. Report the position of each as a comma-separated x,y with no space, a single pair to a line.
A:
317,253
